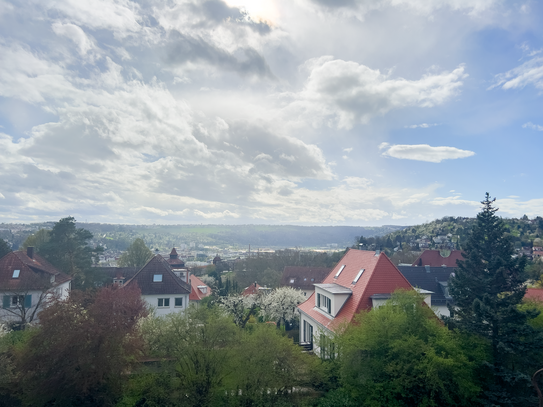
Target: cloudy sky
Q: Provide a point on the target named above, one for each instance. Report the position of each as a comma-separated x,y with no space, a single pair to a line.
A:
310,112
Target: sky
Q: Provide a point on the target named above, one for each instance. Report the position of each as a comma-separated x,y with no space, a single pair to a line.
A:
308,112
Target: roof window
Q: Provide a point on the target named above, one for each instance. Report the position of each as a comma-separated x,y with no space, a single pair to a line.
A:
339,271
16,273
291,281
358,276
157,278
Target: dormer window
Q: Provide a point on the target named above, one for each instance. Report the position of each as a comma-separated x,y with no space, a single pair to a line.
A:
358,276
52,279
16,273
291,281
157,278
339,271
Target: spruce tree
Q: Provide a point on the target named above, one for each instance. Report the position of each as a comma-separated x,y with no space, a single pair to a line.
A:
487,288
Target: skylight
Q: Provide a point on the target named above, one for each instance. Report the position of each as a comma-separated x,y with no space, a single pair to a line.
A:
157,278
358,276
339,271
16,273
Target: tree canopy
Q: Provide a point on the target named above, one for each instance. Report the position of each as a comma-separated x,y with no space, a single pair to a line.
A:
4,248
401,355
488,288
136,255
82,349
68,249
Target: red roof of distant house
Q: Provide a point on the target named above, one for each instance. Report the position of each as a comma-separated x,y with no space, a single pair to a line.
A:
534,294
252,289
380,277
35,272
303,278
433,258
196,293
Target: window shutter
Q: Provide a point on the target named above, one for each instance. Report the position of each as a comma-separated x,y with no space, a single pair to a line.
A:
28,301
318,300
6,301
329,305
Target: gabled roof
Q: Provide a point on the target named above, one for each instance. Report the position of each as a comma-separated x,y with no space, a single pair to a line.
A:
433,258
196,294
433,279
170,284
252,289
35,273
380,276
303,278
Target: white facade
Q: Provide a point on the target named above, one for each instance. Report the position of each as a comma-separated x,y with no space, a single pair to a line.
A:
29,300
164,304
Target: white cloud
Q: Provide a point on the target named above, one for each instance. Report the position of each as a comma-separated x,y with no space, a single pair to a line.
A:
529,73
532,126
424,152
348,150
341,93
422,125
453,200
75,34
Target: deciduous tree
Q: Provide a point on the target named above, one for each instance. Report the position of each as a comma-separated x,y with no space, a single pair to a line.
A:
83,348
136,255
401,355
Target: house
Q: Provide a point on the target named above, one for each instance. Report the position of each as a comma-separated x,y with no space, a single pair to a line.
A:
255,289
433,258
199,290
27,280
534,294
303,278
434,282
360,281
118,275
164,289
174,261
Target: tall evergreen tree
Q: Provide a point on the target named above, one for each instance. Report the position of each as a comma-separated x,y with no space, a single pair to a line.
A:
68,249
487,288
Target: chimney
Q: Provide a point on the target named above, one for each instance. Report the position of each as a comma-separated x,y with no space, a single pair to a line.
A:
30,251
377,252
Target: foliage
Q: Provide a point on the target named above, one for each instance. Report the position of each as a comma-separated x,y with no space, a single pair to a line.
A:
85,344
137,255
214,362
280,305
488,287
4,248
9,389
241,307
36,240
68,250
401,355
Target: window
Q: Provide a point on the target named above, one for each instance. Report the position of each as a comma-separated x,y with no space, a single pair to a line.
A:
17,300
163,302
179,302
358,276
157,278
16,273
308,332
339,271
324,303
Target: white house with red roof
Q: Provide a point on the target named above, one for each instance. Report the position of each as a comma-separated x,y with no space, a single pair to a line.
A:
199,290
360,281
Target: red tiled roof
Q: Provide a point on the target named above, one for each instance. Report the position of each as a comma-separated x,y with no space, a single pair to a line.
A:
195,293
170,284
433,258
35,272
252,289
380,277
303,277
534,294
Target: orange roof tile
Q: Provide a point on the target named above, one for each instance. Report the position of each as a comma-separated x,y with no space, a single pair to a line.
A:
380,277
433,258
196,294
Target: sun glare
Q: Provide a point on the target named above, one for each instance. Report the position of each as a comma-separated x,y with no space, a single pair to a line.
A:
258,10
